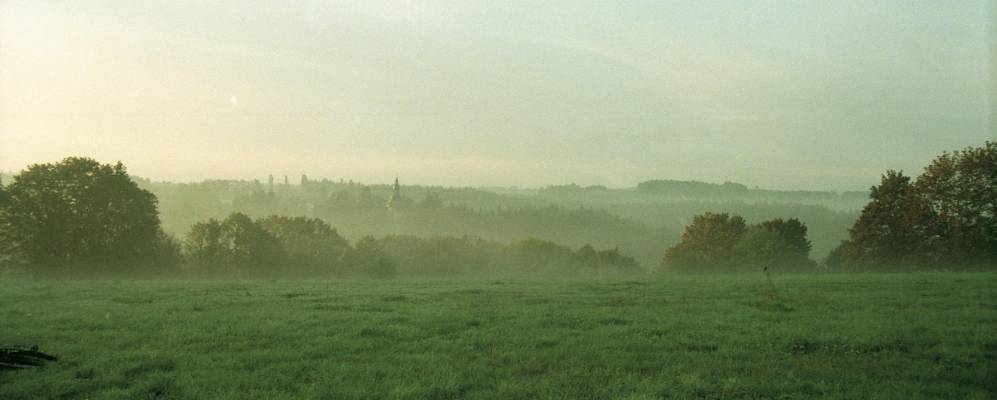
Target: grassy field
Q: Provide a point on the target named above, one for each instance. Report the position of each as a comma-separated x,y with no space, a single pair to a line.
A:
821,336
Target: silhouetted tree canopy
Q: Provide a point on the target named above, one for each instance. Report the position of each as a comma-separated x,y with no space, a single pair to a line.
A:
725,243
780,245
707,243
312,247
78,216
236,246
946,218
300,246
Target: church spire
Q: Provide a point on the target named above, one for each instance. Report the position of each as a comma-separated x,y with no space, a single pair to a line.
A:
396,200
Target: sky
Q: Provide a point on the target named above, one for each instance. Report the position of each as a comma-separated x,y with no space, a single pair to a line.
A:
776,94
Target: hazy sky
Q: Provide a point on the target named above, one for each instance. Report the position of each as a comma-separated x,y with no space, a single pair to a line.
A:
783,94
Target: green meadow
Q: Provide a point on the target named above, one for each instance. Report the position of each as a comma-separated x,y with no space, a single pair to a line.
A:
842,336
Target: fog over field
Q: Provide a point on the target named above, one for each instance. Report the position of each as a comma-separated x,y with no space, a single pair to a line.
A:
440,199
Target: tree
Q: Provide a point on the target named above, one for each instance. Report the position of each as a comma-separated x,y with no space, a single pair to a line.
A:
370,261
79,216
204,248
4,197
781,245
619,263
251,249
312,246
7,248
707,244
724,243
236,246
890,232
586,260
960,191
944,219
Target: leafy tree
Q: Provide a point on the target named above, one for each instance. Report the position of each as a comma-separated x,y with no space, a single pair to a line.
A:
7,248
4,197
707,244
778,244
890,229
79,216
237,246
370,260
312,246
618,263
960,190
205,250
251,249
944,219
720,242
586,260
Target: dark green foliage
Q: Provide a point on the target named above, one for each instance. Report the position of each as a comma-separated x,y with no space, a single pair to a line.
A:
438,257
707,244
237,246
946,218
382,268
4,196
299,246
80,217
960,189
724,243
312,247
371,260
780,245
885,233
7,247
450,257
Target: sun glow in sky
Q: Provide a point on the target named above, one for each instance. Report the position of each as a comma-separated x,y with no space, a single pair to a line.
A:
771,93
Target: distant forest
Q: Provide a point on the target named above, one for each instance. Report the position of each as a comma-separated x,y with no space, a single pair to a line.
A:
639,221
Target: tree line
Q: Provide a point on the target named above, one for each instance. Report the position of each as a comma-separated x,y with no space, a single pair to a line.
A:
308,247
80,218
640,224
943,219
